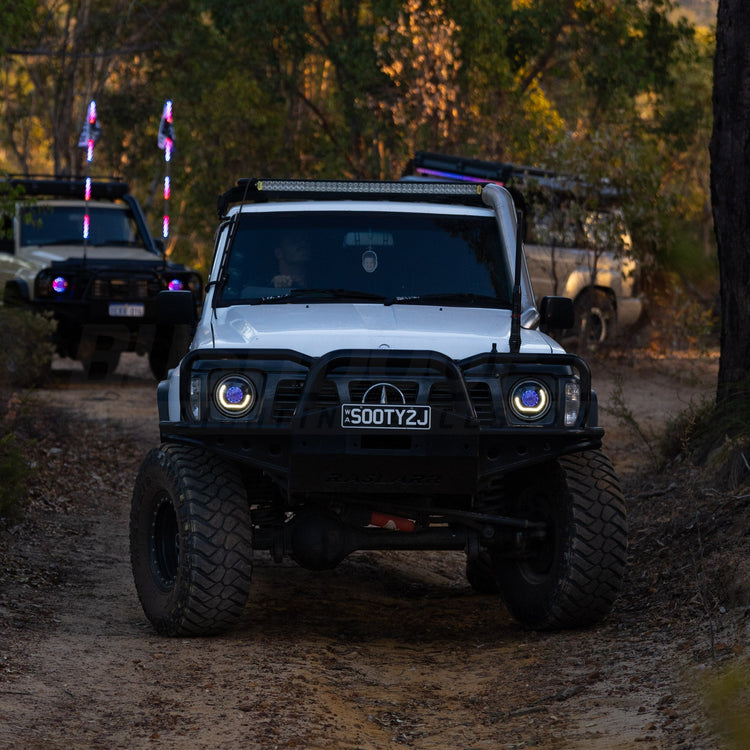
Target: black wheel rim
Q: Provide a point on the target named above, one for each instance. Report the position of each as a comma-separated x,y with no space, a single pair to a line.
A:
165,542
541,552
596,327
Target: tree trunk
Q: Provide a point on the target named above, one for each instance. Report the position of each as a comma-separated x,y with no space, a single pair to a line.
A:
730,194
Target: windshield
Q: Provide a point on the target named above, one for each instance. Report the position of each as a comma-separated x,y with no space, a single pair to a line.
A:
390,257
63,225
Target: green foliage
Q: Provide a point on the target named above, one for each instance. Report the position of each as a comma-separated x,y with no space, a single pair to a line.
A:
26,347
351,88
8,196
15,19
689,259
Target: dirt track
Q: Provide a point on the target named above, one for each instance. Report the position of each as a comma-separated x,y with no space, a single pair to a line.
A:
388,650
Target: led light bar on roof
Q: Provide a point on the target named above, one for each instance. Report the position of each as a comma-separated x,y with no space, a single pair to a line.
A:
369,186
263,190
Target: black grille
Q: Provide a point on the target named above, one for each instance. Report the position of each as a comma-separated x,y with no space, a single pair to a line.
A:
287,397
327,396
441,396
288,394
481,399
130,288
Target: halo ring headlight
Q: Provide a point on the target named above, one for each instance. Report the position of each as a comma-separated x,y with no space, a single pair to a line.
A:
59,284
234,395
530,400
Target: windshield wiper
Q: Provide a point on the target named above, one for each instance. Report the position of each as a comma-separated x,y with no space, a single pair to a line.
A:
320,294
460,299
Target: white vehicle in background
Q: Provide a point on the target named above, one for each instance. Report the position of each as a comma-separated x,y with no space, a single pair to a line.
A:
95,268
371,372
577,243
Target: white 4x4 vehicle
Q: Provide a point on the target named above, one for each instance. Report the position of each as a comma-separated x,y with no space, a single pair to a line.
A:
577,244
102,289
369,373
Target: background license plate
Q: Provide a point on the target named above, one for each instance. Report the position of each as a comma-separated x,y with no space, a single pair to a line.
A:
371,416
124,310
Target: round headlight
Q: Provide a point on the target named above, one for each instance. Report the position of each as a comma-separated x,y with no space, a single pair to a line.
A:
530,400
59,284
175,285
234,395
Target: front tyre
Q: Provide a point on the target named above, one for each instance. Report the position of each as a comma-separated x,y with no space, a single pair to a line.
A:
190,541
570,577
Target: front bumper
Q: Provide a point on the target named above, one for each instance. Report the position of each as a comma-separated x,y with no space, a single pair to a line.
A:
116,298
92,320
296,433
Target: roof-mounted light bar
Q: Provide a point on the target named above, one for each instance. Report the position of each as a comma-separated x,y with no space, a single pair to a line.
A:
260,190
367,186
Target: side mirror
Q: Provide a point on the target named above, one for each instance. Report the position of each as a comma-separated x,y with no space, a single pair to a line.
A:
556,313
175,308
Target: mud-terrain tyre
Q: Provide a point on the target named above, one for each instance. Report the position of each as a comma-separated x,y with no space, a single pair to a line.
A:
596,318
572,577
190,541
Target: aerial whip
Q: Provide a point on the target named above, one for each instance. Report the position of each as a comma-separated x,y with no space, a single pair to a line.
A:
89,136
166,143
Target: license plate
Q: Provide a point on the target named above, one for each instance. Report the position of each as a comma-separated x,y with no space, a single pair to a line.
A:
127,310
385,417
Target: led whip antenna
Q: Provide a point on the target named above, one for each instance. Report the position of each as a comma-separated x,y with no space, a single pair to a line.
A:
88,138
166,143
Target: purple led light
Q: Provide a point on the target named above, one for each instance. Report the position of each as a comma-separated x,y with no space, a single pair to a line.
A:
234,394
168,118
454,176
92,124
175,285
530,398
86,224
59,284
